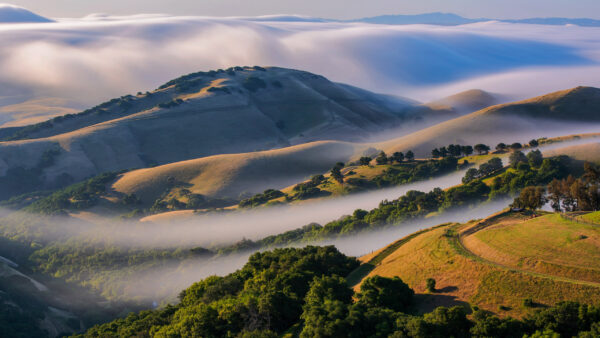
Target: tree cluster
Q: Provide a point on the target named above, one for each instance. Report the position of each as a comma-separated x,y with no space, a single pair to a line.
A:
571,194
491,166
303,292
455,150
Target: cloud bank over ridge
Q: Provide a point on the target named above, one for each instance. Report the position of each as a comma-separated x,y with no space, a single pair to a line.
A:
100,57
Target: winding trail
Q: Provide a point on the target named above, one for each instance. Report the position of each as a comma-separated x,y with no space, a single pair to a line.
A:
456,238
458,241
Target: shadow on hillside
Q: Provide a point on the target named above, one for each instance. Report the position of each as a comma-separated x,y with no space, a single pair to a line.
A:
428,302
447,289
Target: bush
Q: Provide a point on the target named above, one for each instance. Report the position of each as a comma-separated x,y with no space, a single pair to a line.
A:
254,84
391,293
528,302
430,285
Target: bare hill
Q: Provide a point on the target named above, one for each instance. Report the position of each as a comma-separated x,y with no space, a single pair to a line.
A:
497,263
226,176
465,102
202,114
584,152
549,115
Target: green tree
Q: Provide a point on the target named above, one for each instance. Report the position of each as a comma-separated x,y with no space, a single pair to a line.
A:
535,158
533,143
531,198
517,157
481,148
326,307
410,155
365,160
435,153
470,175
398,156
381,158
516,146
467,150
337,175
501,146
391,293
430,284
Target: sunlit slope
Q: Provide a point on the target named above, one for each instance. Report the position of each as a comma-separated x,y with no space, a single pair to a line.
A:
203,114
33,111
584,152
549,244
230,175
501,261
554,114
465,102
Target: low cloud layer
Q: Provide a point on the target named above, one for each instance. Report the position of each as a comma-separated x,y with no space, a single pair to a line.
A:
100,57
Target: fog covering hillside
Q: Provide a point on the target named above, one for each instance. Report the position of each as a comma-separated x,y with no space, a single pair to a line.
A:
227,111
559,113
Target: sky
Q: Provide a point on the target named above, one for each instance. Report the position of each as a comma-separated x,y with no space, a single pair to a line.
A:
334,9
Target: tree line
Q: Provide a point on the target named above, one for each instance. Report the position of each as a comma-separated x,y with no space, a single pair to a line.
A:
303,292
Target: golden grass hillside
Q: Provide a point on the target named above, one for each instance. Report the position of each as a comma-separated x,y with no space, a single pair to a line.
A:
465,102
549,115
34,111
229,175
221,112
498,262
585,152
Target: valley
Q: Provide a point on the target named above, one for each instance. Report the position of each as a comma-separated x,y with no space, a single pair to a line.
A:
392,176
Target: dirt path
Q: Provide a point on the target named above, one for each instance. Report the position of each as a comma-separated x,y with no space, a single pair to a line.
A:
458,238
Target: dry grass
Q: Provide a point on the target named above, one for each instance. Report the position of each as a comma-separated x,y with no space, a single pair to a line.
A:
230,175
584,152
492,125
463,277
548,244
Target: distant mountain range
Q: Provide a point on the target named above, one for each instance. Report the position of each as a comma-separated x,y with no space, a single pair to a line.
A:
450,19
15,14
442,19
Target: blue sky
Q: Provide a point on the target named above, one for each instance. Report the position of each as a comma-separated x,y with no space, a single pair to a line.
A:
339,9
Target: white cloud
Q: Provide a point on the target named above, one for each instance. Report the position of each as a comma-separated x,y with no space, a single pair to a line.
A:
100,57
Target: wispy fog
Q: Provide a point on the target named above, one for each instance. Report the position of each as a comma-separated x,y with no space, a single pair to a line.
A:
100,57
165,281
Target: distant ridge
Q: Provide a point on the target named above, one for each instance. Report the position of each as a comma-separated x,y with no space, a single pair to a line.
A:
16,14
450,19
548,115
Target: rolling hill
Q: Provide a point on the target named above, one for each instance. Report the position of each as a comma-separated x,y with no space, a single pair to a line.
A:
226,176
554,114
236,110
585,152
497,263
465,102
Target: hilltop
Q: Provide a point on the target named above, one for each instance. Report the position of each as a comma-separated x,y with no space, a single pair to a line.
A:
509,263
465,102
238,110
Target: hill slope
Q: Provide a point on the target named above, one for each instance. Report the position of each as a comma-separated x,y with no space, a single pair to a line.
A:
499,262
201,114
226,176
553,114
585,152
465,102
